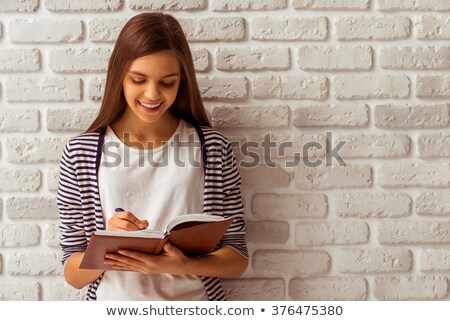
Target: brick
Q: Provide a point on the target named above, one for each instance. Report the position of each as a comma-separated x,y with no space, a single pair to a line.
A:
433,86
79,60
329,177
52,235
31,264
290,87
268,232
213,29
43,89
17,120
335,58
61,291
433,145
20,180
70,119
250,116
168,4
331,233
105,30
19,235
96,88
433,203
419,58
412,116
264,177
422,5
223,88
338,115
254,289
285,206
414,175
374,145
19,291
52,179
286,149
252,58
372,205
435,260
374,261
411,288
414,232
371,87
432,27
290,262
19,60
32,208
83,6
289,28
372,28
200,56
34,150
18,6
328,289
331,4
247,5
46,31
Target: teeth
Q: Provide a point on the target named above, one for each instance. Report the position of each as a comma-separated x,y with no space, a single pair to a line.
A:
149,106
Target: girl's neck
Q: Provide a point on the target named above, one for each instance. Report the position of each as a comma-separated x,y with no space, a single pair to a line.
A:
157,133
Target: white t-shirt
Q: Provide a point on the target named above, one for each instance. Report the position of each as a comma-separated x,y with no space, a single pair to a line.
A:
157,185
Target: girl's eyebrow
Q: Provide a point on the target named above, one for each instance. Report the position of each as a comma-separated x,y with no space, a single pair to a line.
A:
144,75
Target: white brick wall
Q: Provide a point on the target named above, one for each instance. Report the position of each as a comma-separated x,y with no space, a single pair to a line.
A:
370,73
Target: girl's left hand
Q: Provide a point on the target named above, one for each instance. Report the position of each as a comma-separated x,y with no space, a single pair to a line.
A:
171,261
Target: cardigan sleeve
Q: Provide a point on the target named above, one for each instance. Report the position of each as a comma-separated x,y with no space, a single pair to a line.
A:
73,236
232,204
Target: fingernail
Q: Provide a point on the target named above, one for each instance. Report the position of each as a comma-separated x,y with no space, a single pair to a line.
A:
119,209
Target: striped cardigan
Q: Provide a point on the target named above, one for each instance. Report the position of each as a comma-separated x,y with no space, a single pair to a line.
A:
80,210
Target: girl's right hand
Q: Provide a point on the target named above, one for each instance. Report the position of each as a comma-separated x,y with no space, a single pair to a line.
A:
126,221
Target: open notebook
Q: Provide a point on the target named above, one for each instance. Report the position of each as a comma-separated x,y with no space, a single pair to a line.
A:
194,234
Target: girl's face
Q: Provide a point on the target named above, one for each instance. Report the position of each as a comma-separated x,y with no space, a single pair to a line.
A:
150,87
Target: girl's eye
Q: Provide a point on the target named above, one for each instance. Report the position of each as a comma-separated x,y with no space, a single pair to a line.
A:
167,85
134,81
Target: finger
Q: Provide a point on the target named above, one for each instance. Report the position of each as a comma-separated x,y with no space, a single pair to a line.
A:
125,264
123,259
127,220
116,224
128,268
135,255
170,248
145,222
133,219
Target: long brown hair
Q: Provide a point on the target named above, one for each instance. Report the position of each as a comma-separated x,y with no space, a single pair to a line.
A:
142,35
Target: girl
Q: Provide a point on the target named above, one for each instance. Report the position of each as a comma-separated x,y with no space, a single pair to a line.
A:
151,101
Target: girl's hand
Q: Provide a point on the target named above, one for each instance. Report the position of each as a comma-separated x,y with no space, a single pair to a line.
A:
126,221
171,261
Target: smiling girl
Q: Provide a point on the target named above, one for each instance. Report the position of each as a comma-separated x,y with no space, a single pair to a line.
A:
151,98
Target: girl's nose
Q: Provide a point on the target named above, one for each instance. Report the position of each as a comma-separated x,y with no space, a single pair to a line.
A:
152,91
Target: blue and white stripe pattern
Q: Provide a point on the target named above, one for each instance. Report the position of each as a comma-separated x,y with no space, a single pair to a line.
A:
79,200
